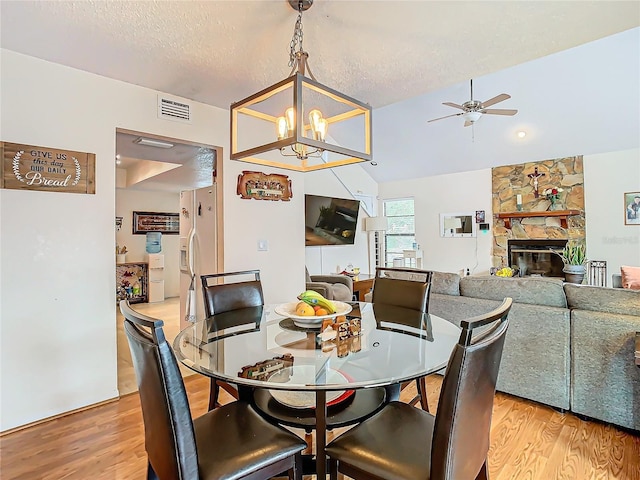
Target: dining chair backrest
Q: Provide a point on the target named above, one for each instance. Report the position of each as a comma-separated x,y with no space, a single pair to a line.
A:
224,297
168,425
402,287
463,421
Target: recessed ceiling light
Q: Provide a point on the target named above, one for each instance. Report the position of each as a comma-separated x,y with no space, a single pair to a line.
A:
150,142
522,134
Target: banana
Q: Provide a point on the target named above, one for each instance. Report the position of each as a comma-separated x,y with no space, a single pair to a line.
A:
314,298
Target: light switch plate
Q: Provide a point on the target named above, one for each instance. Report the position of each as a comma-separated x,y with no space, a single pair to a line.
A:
263,245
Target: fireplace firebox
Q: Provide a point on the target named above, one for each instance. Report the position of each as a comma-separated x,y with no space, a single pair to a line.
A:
535,258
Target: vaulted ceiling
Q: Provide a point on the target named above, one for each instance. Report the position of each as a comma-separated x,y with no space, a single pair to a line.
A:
403,57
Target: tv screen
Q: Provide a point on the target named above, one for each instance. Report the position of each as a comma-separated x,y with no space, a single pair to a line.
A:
330,221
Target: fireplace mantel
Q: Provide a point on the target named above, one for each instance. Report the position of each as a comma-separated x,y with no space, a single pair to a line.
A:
562,214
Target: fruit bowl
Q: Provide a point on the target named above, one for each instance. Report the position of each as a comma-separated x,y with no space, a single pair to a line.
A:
289,310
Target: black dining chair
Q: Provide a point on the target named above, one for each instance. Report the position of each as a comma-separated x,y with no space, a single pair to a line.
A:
225,297
408,288
230,442
405,443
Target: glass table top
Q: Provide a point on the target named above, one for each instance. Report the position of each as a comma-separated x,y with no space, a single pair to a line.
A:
259,348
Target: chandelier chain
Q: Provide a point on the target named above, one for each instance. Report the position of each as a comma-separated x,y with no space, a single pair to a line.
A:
296,39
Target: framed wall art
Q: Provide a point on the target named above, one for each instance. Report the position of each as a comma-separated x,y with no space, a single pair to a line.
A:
167,223
262,186
632,208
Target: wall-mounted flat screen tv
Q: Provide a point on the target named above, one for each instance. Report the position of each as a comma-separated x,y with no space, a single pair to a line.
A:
329,220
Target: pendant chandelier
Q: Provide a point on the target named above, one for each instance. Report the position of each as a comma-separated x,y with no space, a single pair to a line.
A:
298,123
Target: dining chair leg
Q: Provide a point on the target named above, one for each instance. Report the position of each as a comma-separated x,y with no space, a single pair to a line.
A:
421,384
214,391
483,474
333,469
151,474
295,472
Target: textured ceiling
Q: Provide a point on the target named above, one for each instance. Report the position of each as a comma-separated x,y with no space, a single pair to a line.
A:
380,52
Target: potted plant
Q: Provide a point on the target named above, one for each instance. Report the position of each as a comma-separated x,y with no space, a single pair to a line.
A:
574,258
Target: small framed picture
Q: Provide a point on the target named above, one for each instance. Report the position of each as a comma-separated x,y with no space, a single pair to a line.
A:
479,216
167,223
632,208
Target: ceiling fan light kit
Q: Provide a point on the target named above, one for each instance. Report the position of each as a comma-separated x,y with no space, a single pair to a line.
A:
292,124
472,110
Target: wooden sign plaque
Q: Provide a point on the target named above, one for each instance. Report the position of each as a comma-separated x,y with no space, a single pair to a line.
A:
262,186
30,167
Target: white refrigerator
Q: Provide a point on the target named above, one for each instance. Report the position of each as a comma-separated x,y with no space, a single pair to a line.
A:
198,249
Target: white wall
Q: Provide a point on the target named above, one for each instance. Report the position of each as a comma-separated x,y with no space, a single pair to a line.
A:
128,201
454,193
58,343
57,309
606,178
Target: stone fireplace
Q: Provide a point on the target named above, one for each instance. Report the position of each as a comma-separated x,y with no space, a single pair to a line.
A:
534,225
535,258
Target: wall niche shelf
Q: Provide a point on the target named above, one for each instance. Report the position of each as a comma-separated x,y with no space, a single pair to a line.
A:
562,214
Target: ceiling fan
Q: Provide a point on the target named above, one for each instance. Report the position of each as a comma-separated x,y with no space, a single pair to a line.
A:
474,109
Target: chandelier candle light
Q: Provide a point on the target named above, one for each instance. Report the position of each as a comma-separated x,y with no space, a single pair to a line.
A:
270,127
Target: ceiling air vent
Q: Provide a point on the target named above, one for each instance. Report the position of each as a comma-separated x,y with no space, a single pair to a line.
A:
170,109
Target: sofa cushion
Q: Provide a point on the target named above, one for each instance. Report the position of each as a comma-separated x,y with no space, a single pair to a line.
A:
630,277
602,299
445,283
341,292
535,360
605,383
531,290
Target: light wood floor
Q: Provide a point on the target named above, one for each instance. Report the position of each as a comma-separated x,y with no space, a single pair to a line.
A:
528,441
169,312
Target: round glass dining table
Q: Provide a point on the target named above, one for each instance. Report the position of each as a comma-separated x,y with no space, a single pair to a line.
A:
294,365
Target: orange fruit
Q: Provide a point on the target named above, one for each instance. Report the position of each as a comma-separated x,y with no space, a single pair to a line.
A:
316,307
322,311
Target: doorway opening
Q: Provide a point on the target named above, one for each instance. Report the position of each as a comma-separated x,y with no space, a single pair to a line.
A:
152,174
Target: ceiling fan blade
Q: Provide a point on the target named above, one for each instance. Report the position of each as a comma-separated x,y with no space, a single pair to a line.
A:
454,115
498,98
454,105
499,111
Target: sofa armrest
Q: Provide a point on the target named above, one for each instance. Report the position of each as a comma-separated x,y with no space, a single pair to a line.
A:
322,288
344,279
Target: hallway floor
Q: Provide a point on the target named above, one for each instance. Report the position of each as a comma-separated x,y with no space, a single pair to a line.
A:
169,312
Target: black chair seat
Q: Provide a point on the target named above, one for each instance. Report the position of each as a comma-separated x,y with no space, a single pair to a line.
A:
239,443
403,443
221,298
370,446
228,443
410,289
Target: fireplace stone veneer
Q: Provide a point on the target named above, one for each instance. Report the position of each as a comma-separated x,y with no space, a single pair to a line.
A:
534,220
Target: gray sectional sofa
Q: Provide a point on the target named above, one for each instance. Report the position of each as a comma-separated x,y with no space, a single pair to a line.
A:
568,346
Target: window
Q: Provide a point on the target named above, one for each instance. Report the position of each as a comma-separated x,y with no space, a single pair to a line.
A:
401,234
